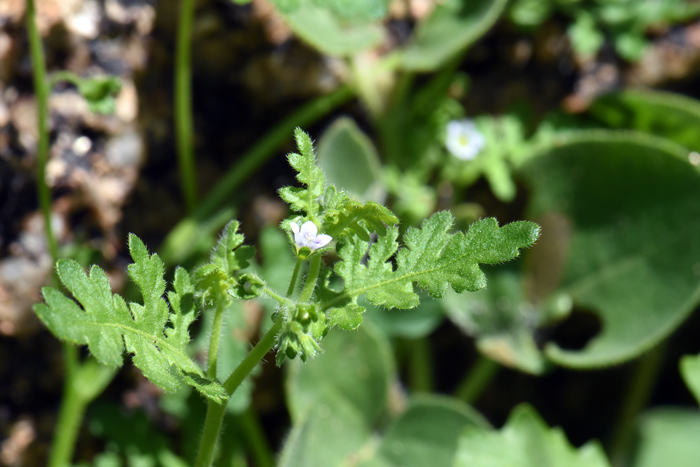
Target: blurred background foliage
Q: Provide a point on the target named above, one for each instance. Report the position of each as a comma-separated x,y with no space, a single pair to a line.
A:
589,119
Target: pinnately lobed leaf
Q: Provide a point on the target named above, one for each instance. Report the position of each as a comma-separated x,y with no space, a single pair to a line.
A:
107,324
305,199
433,259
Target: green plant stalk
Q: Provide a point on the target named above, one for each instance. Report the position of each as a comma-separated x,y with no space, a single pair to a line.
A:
420,361
215,339
255,438
70,414
311,278
295,274
184,126
636,398
478,378
42,96
215,412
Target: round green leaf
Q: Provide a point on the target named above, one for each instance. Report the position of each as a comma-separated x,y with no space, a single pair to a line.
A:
633,204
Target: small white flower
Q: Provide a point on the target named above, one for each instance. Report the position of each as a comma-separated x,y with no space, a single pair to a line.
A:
463,140
307,236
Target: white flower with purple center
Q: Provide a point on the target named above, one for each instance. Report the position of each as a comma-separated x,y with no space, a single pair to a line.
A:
463,140
307,236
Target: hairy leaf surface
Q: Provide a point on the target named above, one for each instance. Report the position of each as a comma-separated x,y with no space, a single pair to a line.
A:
433,258
155,337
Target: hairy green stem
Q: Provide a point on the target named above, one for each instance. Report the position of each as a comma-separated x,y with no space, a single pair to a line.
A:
478,378
295,274
215,339
215,412
311,278
636,398
255,438
184,126
420,361
42,97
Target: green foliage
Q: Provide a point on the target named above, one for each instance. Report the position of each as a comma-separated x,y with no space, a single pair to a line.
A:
427,432
668,436
350,161
338,214
334,417
664,114
623,21
150,332
629,207
433,258
99,92
219,281
690,369
133,436
335,27
450,29
525,441
502,320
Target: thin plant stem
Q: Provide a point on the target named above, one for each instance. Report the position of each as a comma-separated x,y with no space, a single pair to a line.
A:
478,378
311,278
185,233
215,411
42,96
184,126
256,156
70,414
636,398
255,438
420,360
215,339
295,274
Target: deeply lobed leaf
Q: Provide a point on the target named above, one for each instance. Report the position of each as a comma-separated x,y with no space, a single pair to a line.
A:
343,216
107,325
433,259
305,199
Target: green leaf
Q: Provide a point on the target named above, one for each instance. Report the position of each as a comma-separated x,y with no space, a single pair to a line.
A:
366,10
668,436
427,432
99,92
335,401
355,371
350,161
319,24
106,324
633,204
501,319
451,28
525,441
228,254
660,113
433,258
585,37
305,199
133,435
690,369
343,216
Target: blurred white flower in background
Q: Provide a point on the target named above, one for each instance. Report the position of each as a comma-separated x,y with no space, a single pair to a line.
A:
463,140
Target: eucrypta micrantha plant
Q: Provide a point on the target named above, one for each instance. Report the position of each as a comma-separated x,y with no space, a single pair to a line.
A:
156,333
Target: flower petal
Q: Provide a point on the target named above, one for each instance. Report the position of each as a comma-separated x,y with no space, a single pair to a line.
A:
323,240
309,229
295,227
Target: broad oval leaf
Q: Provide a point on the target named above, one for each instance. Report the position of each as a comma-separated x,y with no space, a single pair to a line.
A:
633,203
665,114
451,28
668,436
350,161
